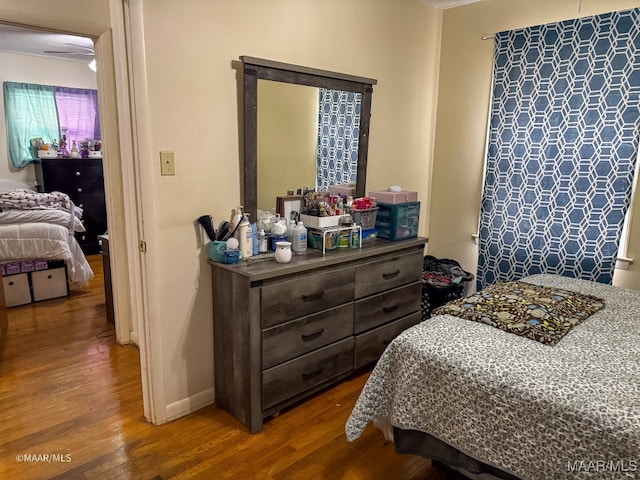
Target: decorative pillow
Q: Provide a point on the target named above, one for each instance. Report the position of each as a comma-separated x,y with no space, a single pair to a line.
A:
544,314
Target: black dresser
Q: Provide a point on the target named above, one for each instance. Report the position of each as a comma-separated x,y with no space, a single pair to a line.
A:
83,180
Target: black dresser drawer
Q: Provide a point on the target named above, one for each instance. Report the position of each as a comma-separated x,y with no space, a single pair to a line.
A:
83,180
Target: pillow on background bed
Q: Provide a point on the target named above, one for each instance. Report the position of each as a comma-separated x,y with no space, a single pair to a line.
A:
544,314
7,185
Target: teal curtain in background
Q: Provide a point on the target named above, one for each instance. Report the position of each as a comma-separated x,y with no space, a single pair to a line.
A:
33,114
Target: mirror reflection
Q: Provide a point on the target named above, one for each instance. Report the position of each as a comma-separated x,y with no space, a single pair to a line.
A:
302,127
307,137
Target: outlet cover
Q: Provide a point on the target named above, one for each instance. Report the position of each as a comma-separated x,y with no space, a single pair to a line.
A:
167,163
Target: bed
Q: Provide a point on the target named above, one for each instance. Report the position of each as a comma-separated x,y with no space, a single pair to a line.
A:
491,403
41,233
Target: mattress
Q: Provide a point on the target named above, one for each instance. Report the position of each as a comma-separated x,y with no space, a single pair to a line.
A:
22,241
532,410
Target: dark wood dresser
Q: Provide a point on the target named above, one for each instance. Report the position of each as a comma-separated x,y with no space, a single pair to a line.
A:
284,331
83,180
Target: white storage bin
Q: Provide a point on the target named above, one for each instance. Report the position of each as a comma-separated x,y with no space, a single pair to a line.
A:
50,283
16,289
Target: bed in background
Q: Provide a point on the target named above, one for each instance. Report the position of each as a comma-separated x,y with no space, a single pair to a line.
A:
28,234
484,400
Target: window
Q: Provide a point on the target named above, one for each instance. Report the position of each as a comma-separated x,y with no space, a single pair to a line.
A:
47,112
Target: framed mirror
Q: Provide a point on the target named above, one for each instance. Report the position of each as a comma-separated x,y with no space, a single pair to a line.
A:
282,106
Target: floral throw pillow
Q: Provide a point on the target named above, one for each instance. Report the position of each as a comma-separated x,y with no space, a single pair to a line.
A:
544,314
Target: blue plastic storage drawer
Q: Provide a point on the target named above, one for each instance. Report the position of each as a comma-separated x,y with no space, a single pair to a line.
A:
398,221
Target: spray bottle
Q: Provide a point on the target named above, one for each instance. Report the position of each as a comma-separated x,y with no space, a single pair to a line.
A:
245,237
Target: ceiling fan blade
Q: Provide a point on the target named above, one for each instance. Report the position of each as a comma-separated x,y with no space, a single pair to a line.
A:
75,45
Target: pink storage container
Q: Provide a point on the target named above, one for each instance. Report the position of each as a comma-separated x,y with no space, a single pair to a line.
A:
385,196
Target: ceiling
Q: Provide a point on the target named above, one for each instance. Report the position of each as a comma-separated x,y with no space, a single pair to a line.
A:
38,42
444,4
28,41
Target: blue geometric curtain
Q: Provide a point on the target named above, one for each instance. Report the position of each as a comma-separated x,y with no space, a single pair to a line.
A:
338,133
562,150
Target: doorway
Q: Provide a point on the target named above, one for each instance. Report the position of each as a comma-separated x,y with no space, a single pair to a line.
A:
122,191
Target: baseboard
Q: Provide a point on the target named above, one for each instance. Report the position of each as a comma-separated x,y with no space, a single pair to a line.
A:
190,404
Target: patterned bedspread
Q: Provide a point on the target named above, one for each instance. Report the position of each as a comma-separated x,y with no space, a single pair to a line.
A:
538,412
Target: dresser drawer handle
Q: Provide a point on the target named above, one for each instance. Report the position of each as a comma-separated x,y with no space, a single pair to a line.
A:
387,276
312,373
311,336
78,174
313,296
49,276
391,308
10,283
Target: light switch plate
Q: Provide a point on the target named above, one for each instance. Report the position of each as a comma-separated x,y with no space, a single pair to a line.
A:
167,163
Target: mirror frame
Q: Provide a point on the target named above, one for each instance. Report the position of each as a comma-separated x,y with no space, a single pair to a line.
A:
258,68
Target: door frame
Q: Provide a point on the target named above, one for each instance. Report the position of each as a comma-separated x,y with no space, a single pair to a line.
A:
120,118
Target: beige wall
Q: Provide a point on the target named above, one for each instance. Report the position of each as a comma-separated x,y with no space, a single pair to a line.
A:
192,54
287,139
463,101
45,71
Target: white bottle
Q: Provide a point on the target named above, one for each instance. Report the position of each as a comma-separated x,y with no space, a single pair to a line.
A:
262,242
236,217
291,224
300,238
245,237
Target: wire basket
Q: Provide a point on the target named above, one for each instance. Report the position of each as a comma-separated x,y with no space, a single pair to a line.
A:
366,217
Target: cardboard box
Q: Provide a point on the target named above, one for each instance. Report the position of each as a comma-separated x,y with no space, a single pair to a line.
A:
343,190
384,196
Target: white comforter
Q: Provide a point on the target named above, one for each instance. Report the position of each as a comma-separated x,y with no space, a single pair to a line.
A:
45,240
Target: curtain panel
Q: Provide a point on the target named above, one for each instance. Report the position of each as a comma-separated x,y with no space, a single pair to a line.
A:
30,112
563,144
43,111
338,134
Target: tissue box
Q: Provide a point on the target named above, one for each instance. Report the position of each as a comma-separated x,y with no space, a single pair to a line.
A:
384,196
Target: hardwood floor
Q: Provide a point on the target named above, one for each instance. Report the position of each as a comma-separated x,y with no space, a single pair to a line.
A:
71,408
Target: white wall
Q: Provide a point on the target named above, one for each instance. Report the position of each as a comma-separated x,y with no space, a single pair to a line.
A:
463,102
45,71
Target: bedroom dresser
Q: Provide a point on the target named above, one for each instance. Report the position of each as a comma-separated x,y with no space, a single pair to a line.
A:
285,331
83,180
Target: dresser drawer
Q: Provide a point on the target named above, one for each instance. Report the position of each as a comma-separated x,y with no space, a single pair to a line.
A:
282,301
385,307
291,378
388,273
370,345
301,336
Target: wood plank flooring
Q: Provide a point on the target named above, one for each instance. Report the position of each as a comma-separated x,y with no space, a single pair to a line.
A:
71,408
